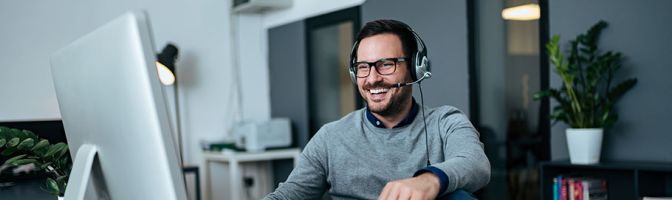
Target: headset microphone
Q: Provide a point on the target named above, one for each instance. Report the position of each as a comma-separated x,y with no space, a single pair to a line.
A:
424,76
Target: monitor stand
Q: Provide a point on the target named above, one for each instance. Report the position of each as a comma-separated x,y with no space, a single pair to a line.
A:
86,172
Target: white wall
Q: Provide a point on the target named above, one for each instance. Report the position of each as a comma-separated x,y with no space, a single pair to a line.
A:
31,30
302,9
252,61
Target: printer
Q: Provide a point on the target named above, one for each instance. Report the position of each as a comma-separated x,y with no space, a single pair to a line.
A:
259,136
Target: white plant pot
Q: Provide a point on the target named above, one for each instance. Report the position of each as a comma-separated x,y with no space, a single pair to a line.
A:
584,145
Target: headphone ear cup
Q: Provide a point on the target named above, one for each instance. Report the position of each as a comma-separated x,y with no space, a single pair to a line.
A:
353,78
417,66
353,59
421,66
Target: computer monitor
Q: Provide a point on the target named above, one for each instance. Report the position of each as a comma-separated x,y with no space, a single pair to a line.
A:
114,115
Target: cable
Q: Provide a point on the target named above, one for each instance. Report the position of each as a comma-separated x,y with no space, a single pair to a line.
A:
424,120
235,57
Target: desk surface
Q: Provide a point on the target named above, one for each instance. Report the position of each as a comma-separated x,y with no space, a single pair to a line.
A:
252,156
26,189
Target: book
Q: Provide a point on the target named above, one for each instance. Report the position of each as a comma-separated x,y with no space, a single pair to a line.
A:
555,188
570,186
563,190
579,188
594,189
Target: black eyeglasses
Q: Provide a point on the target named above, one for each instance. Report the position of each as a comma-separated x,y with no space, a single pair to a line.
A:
384,66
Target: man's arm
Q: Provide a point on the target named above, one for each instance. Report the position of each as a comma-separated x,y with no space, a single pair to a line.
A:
308,179
465,165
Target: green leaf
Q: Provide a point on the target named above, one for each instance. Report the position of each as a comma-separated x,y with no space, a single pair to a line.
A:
62,181
56,148
606,115
25,144
22,162
62,178
13,142
52,187
39,145
2,142
594,33
28,134
63,151
41,151
8,151
618,91
65,161
15,158
18,133
559,114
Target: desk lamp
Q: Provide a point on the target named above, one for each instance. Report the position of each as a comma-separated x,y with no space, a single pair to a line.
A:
165,65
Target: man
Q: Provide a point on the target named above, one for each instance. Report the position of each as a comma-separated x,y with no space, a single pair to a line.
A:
382,151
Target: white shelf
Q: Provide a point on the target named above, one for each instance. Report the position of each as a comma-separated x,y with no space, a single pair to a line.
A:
251,156
234,160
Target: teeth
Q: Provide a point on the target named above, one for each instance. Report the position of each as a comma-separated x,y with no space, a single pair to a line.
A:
377,91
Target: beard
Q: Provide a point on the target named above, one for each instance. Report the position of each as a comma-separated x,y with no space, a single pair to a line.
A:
395,103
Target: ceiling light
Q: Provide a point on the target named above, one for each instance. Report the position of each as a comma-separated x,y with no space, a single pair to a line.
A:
522,13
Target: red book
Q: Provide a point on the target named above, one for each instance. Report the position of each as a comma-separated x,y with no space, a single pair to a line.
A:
570,189
578,190
563,190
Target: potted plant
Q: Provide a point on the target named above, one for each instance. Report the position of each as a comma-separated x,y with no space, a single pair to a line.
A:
23,147
587,96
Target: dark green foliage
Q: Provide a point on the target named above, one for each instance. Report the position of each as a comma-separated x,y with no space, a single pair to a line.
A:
586,98
21,148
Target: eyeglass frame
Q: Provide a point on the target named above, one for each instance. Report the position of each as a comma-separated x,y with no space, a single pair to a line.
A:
375,65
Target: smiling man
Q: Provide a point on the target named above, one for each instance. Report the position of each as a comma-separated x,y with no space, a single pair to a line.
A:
390,149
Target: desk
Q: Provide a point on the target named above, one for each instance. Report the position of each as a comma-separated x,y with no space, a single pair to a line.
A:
197,190
32,188
234,160
26,189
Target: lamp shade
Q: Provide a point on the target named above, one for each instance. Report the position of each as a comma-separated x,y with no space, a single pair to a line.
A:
165,64
522,13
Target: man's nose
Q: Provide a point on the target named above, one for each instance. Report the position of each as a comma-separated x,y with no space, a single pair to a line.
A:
374,76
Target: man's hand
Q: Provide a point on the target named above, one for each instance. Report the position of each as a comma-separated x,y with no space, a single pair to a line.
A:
425,186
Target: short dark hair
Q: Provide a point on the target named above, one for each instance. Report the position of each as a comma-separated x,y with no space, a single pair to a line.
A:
409,44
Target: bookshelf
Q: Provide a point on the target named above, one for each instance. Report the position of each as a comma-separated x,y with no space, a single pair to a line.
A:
625,180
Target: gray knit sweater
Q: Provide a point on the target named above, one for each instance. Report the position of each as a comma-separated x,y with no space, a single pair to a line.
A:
352,159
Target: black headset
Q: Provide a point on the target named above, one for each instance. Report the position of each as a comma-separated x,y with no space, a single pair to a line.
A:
420,71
